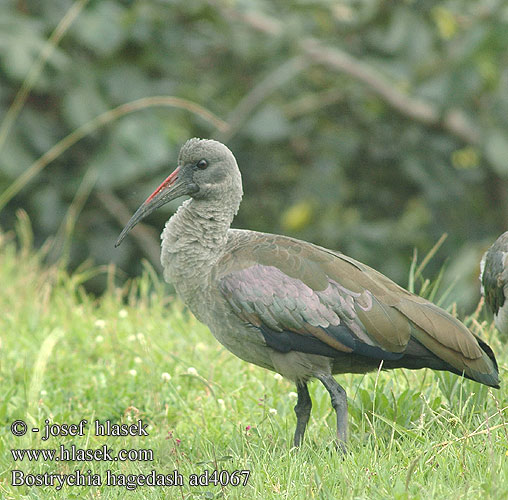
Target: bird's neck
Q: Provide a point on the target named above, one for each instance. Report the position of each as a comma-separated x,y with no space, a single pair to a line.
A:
193,241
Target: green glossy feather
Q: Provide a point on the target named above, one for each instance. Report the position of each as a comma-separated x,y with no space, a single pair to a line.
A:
379,312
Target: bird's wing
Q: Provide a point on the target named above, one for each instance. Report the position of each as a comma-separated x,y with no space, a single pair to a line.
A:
304,297
494,276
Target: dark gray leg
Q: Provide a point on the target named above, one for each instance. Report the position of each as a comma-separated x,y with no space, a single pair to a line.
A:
339,403
302,410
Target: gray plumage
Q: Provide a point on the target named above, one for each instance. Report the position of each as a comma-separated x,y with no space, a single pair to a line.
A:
291,306
494,281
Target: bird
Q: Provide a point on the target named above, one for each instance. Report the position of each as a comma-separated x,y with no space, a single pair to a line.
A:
293,307
494,281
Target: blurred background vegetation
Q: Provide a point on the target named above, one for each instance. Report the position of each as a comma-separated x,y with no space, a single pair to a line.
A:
369,126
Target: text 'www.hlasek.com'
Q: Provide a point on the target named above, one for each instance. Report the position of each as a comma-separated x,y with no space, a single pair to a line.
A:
87,477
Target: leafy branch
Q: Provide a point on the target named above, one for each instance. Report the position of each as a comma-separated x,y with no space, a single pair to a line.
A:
453,120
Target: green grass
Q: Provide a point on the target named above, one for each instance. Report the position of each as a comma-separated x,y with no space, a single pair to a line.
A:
66,356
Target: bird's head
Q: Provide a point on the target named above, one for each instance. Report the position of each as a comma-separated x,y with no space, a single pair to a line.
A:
206,171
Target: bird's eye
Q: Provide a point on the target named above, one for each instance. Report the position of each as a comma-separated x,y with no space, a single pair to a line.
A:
202,164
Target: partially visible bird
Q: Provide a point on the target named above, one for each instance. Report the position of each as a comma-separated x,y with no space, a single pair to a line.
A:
494,281
290,306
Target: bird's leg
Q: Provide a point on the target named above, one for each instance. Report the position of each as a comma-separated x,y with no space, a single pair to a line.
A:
339,403
302,410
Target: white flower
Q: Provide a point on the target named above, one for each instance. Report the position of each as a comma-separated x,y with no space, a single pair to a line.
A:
293,395
100,323
192,371
131,338
166,376
133,372
122,313
273,411
277,376
221,402
43,392
99,339
138,360
141,337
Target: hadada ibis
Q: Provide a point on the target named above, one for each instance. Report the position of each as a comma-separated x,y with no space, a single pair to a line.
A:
290,306
494,281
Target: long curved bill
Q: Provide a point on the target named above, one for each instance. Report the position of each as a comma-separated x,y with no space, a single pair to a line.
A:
171,188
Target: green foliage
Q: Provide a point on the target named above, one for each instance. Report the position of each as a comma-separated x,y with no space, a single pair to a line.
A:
137,354
324,156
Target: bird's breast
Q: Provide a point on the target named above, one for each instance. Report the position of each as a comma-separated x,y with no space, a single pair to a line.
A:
240,338
501,317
